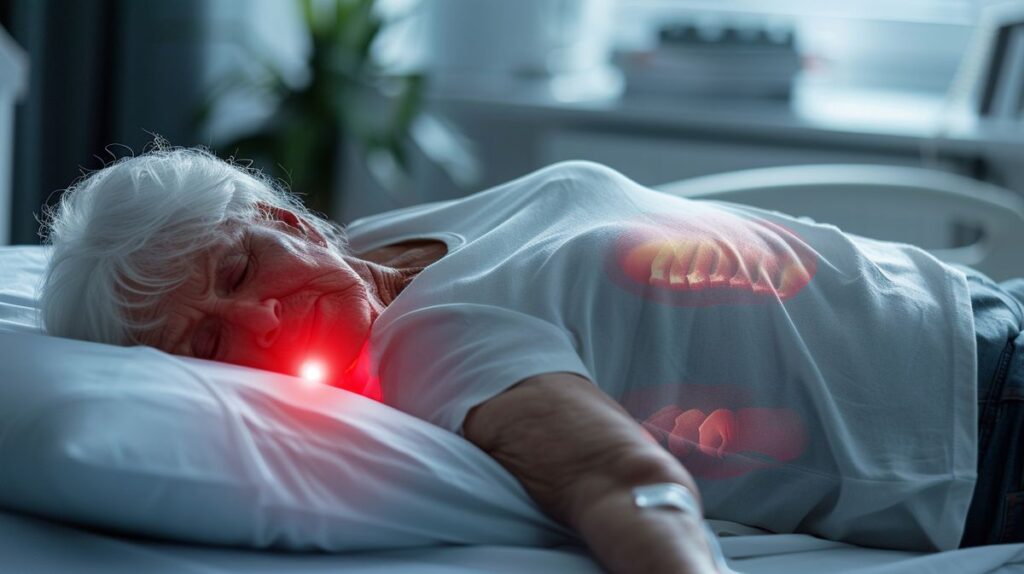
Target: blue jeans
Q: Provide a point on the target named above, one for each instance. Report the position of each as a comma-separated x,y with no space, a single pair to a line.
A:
996,514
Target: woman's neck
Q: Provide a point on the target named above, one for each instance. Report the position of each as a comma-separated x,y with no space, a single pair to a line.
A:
383,283
388,270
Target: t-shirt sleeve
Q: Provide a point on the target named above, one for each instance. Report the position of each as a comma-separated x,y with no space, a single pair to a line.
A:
437,363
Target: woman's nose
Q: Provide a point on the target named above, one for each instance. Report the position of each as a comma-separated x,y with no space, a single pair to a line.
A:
262,318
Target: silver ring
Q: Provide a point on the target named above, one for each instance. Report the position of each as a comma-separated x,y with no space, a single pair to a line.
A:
666,495
675,495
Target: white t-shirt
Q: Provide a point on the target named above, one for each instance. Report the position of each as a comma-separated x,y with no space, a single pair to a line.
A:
810,380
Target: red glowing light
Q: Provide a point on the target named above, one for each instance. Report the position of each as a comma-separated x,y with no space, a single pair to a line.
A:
313,371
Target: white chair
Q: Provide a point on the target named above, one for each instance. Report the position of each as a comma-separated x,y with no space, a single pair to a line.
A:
957,219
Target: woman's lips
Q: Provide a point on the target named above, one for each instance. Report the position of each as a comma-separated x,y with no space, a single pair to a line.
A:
326,339
312,326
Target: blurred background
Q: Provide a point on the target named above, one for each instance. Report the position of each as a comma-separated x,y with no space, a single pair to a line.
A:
366,106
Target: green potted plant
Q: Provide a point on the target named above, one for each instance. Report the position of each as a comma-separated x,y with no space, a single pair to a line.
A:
347,100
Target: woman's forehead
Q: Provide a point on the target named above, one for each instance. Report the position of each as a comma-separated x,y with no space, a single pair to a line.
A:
203,267
200,272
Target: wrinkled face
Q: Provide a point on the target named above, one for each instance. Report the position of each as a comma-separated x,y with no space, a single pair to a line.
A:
269,296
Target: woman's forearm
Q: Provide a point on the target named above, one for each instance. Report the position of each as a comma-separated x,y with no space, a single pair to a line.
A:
578,454
627,539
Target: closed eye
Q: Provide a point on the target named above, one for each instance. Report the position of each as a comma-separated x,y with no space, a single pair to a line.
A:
242,275
206,340
234,272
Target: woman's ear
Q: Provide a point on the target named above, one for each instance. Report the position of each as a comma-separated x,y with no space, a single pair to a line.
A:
293,220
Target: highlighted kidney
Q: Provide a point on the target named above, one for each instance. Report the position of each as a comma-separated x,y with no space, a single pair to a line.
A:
713,258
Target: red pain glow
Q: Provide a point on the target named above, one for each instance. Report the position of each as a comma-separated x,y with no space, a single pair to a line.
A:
359,377
719,431
755,437
313,371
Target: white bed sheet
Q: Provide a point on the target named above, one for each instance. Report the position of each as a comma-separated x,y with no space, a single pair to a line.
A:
33,545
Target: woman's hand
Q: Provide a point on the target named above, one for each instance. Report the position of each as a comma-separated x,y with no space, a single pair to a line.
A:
579,455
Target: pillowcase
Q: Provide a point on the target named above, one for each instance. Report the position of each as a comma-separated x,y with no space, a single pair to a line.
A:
139,441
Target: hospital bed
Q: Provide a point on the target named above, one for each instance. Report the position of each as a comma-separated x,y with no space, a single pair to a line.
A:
62,521
957,219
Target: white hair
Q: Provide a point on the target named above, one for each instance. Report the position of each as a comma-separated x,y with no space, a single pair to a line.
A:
126,235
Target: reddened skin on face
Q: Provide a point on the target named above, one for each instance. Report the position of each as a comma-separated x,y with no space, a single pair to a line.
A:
273,293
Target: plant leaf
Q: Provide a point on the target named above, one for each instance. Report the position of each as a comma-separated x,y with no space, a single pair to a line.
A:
409,103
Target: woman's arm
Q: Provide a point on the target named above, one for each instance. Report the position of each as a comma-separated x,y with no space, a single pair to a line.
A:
579,454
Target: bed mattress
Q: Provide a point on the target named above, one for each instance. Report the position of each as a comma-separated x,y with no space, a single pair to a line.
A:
30,544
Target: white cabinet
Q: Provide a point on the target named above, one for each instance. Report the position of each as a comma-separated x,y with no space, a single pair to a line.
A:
655,142
656,160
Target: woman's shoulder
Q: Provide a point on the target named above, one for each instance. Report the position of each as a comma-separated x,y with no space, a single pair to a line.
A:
580,177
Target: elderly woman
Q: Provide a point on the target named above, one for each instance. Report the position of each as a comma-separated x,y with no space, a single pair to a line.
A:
613,347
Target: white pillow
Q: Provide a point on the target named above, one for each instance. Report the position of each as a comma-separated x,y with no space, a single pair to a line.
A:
136,440
21,271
